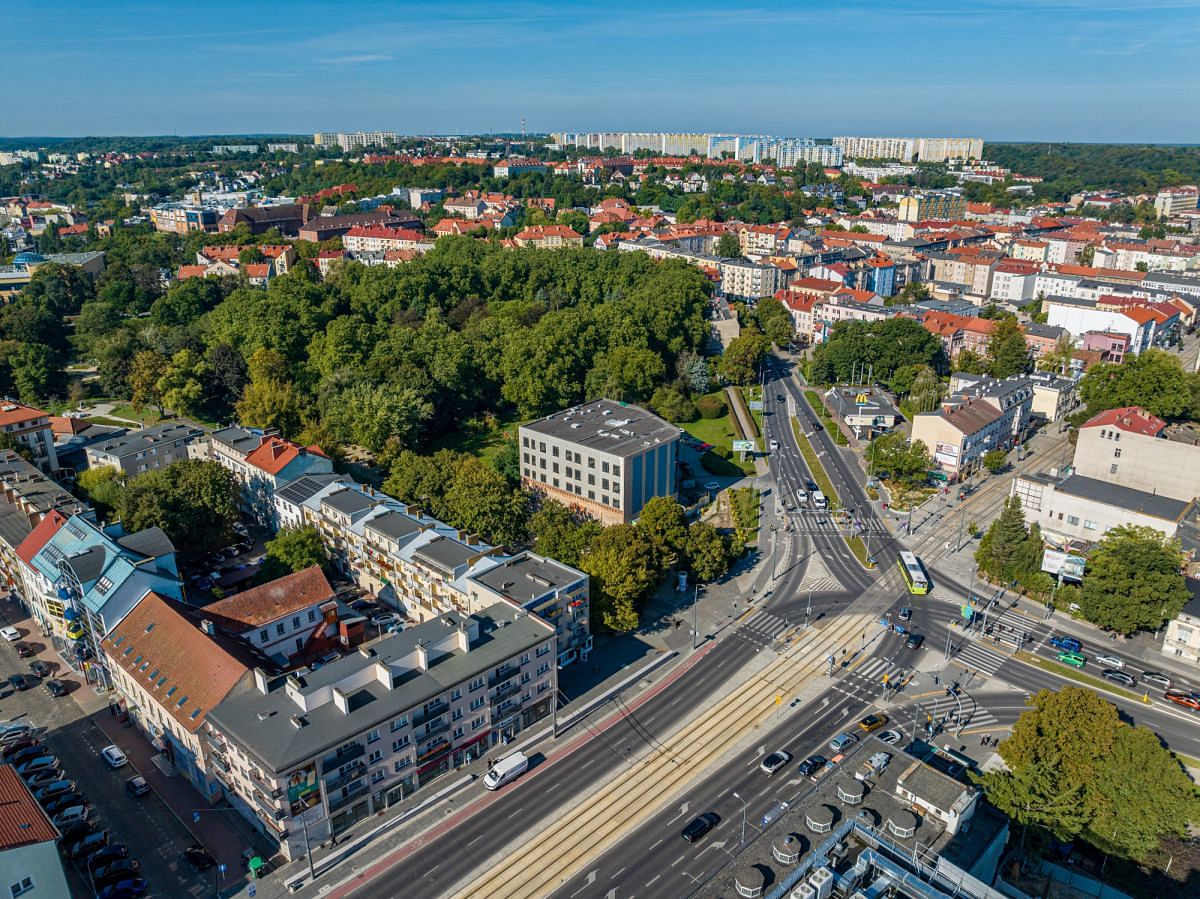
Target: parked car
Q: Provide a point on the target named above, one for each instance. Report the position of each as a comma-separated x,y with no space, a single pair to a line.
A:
88,845
891,737
108,855
13,747
137,786
114,756
700,825
842,742
775,761
24,650
1157,677
10,634
325,660
23,682
70,814
872,722
54,788
1068,644
199,857
12,733
385,619
75,832
1119,677
40,668
40,763
363,605
125,889
27,753
56,687
43,777
202,583
61,803
1111,662
813,765
119,869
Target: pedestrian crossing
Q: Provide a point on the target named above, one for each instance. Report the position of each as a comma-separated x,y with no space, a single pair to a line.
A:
976,657
764,628
945,712
809,522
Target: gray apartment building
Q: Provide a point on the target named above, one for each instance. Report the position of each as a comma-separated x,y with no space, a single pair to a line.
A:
145,450
322,750
605,458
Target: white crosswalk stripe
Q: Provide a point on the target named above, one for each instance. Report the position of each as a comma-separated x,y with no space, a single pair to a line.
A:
979,658
946,708
766,623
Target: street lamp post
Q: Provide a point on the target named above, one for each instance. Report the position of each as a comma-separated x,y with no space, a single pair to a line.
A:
744,805
695,602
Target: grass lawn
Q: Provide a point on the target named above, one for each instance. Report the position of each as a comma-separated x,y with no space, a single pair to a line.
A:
745,510
719,432
1075,674
814,400
478,439
754,394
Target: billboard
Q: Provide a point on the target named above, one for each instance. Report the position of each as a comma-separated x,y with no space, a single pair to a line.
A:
1068,567
303,791
946,454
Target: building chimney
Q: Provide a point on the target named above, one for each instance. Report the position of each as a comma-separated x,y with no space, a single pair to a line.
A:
208,627
260,680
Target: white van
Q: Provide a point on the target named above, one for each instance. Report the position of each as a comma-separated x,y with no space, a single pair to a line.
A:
506,770
819,500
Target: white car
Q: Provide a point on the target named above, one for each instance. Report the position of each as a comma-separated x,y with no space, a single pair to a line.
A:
1110,662
775,761
114,756
11,634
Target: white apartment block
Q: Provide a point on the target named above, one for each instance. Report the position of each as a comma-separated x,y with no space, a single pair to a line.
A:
1172,201
926,149
321,751
354,140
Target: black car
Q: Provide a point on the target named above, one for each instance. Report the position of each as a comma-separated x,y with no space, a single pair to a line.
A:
73,833
23,682
49,775
89,845
1119,677
813,765
199,857
24,755
18,745
65,801
108,855
40,668
137,786
24,650
56,688
914,641
700,826
120,869
125,889
811,486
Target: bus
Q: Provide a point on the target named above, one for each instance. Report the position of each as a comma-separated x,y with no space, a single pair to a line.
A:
913,572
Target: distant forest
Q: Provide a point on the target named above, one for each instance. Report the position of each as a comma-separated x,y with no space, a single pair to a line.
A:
1130,168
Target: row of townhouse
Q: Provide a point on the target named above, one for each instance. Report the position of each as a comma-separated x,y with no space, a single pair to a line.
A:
424,568
380,237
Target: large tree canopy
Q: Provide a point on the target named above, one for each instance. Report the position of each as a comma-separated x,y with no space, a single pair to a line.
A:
883,346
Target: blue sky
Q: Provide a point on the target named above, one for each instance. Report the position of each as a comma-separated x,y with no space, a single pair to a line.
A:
1099,70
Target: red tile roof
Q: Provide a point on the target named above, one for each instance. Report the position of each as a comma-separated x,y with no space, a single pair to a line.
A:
274,454
818,285
18,414
22,821
1128,418
258,270
169,657
40,536
259,605
191,271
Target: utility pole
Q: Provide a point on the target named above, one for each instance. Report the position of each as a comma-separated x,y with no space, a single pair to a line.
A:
808,609
948,634
695,602
744,804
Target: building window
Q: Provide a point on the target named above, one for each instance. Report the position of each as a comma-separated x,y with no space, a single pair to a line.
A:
476,703
400,722
524,441
279,629
376,755
264,636
476,684
616,487
554,467
378,775
478,723
456,714
373,736
312,615
543,668
24,885
1117,453
296,623
455,694
604,483
1072,519
554,481
1112,469
397,745
401,765
591,462
616,470
554,451
1090,525
592,480
604,467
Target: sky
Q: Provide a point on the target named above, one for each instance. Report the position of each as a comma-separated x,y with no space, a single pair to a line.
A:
1085,70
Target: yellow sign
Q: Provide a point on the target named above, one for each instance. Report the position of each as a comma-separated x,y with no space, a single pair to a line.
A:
886,678
862,399
778,699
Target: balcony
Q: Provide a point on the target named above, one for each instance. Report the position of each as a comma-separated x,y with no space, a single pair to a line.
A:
219,762
506,708
343,757
510,689
435,728
267,807
354,773
355,792
502,674
217,744
431,711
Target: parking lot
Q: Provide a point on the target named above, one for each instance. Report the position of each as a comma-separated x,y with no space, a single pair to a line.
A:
153,833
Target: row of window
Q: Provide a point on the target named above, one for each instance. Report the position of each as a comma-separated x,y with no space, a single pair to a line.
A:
571,488
1074,520
571,456
264,636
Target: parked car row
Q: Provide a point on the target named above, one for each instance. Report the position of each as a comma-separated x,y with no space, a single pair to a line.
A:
108,867
1071,653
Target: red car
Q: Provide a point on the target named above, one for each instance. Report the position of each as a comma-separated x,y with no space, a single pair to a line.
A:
1185,699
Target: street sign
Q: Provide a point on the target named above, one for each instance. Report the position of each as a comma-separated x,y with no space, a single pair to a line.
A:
755,405
252,890
743,446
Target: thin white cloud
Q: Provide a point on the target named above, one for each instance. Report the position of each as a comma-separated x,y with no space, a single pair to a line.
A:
354,59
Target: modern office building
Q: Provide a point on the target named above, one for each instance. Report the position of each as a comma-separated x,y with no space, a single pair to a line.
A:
604,458
306,756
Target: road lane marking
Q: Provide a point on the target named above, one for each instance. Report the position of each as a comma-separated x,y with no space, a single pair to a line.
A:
678,860
513,815
651,881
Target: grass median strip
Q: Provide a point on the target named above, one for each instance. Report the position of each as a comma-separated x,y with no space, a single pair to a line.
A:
826,486
814,400
1077,675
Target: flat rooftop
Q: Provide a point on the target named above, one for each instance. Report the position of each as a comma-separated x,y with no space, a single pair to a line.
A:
1127,498
526,577
139,441
608,427
852,816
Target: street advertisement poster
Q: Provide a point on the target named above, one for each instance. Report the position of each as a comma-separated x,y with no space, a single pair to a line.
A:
1064,565
303,792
